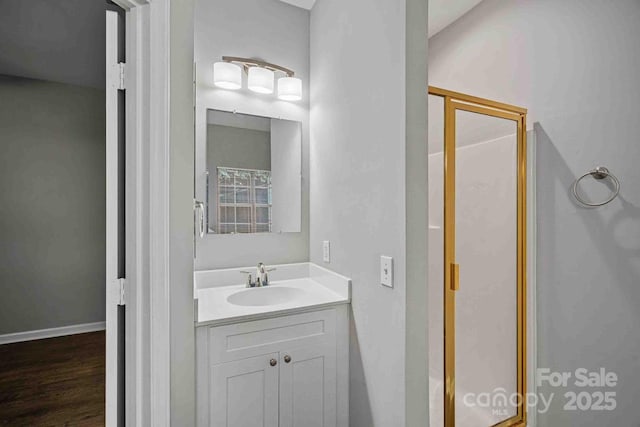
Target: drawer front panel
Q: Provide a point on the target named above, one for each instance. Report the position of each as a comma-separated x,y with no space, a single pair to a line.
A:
249,339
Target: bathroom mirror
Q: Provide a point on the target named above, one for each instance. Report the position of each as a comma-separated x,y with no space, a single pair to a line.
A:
253,172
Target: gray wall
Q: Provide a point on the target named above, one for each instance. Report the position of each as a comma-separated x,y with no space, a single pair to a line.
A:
238,148
278,33
54,40
229,146
416,224
286,170
368,142
574,64
52,205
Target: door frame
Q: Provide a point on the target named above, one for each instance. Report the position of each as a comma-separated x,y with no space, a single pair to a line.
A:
457,101
147,329
113,344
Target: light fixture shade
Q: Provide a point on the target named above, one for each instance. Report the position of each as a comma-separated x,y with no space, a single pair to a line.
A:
290,89
260,80
227,75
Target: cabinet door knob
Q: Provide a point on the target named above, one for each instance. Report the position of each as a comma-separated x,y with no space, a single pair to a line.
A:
273,362
287,358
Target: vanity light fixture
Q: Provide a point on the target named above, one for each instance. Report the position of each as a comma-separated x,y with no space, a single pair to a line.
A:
260,80
227,75
260,77
289,89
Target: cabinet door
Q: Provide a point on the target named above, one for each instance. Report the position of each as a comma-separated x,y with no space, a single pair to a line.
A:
244,393
308,387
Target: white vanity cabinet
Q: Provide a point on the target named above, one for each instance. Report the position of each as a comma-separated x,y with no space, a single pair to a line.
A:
245,392
308,393
285,371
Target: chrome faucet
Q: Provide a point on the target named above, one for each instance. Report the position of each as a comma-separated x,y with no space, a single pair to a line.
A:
261,278
249,284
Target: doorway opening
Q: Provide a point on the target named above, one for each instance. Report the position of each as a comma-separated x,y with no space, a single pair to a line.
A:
54,326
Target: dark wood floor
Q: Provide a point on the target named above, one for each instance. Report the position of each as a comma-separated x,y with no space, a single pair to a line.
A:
53,382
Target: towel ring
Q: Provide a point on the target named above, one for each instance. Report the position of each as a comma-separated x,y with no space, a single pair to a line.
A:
598,173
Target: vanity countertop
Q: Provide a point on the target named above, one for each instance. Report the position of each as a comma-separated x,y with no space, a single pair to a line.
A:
292,288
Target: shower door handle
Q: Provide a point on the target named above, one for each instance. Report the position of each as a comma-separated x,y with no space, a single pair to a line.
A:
455,276
200,220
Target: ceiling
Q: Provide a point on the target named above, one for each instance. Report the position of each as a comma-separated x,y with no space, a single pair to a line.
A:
305,4
56,40
63,40
443,13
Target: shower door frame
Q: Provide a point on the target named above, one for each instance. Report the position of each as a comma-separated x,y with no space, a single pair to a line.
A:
454,101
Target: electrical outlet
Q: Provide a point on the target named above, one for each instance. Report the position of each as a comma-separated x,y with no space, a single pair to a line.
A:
326,251
386,271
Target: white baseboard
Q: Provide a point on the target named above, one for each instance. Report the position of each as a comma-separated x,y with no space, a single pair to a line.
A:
52,332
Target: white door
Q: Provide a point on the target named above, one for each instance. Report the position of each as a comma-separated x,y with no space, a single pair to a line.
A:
308,394
244,393
114,372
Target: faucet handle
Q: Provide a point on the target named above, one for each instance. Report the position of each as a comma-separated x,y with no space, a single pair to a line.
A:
261,267
250,284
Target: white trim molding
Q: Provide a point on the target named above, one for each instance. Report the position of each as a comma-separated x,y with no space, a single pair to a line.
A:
39,334
159,295
148,383
137,207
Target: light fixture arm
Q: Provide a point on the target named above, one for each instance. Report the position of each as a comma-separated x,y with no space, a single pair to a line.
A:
248,62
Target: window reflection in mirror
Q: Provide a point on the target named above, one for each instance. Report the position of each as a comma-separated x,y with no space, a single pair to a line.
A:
253,174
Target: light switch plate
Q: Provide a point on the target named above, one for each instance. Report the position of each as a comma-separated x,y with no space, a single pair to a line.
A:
326,251
386,271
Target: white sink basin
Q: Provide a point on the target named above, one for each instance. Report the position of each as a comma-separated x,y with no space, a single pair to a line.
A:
265,296
221,298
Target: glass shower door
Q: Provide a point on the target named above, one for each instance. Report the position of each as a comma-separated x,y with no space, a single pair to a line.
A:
486,312
483,265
